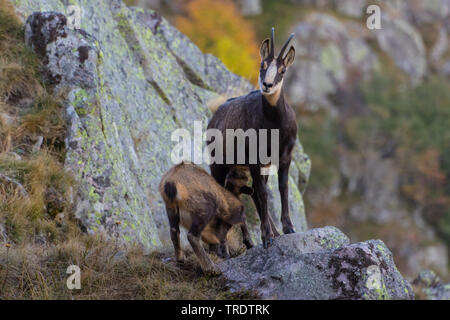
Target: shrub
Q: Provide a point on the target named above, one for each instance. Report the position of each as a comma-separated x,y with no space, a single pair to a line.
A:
217,27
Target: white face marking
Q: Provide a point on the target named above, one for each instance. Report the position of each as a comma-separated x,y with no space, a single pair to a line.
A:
269,78
271,72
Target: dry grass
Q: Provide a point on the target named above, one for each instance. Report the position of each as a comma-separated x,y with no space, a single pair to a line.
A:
18,65
29,114
49,190
108,271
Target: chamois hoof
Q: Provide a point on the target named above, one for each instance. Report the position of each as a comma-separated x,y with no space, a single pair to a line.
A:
181,261
289,230
248,244
181,258
267,242
212,271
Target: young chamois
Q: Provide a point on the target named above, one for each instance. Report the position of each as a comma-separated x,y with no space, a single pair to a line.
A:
265,108
196,201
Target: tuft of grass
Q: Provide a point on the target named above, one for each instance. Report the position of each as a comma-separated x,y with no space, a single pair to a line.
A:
49,190
19,74
45,119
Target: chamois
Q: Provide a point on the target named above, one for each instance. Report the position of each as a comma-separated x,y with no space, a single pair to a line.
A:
265,108
196,201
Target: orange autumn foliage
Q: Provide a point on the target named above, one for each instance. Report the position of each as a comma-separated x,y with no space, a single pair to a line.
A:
217,27
428,179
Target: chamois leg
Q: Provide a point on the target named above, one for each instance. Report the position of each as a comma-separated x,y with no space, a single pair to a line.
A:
246,234
272,225
223,251
260,199
198,224
283,186
219,173
174,221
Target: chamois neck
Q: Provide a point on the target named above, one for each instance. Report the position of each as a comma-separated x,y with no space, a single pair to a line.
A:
275,99
274,111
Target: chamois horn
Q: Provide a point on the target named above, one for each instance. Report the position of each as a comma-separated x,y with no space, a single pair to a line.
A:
272,43
280,56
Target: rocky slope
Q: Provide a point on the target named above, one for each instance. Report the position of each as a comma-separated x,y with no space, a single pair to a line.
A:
131,79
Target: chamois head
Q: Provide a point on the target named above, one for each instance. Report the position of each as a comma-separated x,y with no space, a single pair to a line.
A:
273,67
236,181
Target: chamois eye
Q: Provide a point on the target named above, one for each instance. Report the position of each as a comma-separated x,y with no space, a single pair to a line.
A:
264,65
281,70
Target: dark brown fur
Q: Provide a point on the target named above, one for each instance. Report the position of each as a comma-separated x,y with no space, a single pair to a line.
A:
260,111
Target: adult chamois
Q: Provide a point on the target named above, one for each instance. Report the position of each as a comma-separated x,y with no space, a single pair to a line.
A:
265,108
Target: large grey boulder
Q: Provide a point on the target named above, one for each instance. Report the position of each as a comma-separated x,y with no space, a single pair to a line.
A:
130,80
318,264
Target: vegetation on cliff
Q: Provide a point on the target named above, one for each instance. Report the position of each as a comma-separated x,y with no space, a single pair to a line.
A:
218,28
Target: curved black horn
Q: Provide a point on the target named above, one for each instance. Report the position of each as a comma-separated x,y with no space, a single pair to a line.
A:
280,56
272,43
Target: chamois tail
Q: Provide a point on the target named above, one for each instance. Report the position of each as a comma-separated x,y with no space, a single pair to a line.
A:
170,190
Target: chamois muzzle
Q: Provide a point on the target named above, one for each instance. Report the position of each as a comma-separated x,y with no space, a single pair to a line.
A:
223,252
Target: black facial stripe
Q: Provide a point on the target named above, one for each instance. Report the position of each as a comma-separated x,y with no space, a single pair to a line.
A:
278,78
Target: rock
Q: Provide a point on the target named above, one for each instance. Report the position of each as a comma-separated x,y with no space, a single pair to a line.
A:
404,44
322,4
432,256
440,46
421,12
328,51
352,8
12,185
318,264
250,7
37,145
69,57
427,278
140,79
333,49
445,70
3,235
439,292
430,287
438,56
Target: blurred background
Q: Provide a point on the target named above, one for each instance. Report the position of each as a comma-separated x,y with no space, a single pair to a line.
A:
373,108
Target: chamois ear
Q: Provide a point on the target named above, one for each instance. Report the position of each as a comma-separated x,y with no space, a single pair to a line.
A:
289,58
264,50
246,190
